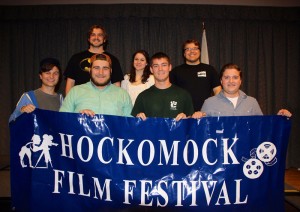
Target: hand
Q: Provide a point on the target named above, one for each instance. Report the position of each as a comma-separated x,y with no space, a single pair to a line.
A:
27,108
180,116
142,116
284,112
198,115
87,112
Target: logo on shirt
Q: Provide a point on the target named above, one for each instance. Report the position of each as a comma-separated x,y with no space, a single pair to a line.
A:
173,105
85,64
201,73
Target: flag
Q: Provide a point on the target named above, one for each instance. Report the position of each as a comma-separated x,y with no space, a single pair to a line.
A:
204,50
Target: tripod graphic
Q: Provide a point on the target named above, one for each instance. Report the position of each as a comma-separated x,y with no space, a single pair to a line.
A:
36,146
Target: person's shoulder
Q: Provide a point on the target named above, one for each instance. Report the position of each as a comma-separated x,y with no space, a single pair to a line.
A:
110,55
176,87
115,88
206,66
82,86
26,94
126,77
151,79
179,67
148,91
245,96
81,53
212,101
179,89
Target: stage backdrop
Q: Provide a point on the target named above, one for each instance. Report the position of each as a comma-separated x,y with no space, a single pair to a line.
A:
72,162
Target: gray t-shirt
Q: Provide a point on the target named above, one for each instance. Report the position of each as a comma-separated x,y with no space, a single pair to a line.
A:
47,101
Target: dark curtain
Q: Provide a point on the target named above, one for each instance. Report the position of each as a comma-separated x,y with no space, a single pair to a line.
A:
263,41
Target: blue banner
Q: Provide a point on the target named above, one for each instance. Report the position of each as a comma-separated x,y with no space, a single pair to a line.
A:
72,162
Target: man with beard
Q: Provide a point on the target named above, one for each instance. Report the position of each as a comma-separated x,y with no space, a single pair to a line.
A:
199,79
162,99
77,71
98,96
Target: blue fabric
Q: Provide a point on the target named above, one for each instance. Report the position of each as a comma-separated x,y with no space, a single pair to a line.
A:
107,163
26,99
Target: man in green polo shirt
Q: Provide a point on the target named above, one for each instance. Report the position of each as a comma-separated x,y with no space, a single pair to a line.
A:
98,96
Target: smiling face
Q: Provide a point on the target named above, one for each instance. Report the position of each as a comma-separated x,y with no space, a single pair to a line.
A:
100,73
231,82
139,62
50,78
97,37
192,54
160,69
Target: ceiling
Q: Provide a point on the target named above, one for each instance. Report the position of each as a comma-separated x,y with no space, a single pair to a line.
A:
273,3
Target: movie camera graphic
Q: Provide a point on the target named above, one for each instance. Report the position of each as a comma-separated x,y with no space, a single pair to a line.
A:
37,147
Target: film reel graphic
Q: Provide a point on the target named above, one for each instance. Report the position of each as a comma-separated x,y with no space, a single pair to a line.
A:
264,153
253,168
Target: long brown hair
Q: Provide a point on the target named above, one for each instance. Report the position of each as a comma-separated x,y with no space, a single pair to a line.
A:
146,72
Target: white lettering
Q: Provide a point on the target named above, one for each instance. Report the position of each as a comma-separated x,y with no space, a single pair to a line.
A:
164,149
141,151
90,148
204,151
58,174
228,151
98,188
100,150
123,152
145,192
65,145
128,190
186,153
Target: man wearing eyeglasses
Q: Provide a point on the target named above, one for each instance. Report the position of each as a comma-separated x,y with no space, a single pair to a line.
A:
199,79
98,96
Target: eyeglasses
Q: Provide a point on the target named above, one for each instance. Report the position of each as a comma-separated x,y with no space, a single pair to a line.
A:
191,49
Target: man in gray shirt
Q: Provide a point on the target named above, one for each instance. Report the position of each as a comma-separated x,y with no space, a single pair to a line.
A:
231,101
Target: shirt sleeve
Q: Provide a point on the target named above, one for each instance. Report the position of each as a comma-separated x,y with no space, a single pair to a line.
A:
69,72
137,108
24,100
124,83
117,73
68,104
127,105
256,108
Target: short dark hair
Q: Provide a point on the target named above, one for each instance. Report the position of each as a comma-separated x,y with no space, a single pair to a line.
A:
105,36
47,64
160,55
194,41
230,66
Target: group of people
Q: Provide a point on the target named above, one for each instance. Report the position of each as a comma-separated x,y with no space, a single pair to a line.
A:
95,85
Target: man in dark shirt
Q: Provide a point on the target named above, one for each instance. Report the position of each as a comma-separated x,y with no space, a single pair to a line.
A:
77,71
199,79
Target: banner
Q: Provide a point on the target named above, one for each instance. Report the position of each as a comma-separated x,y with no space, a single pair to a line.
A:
72,162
